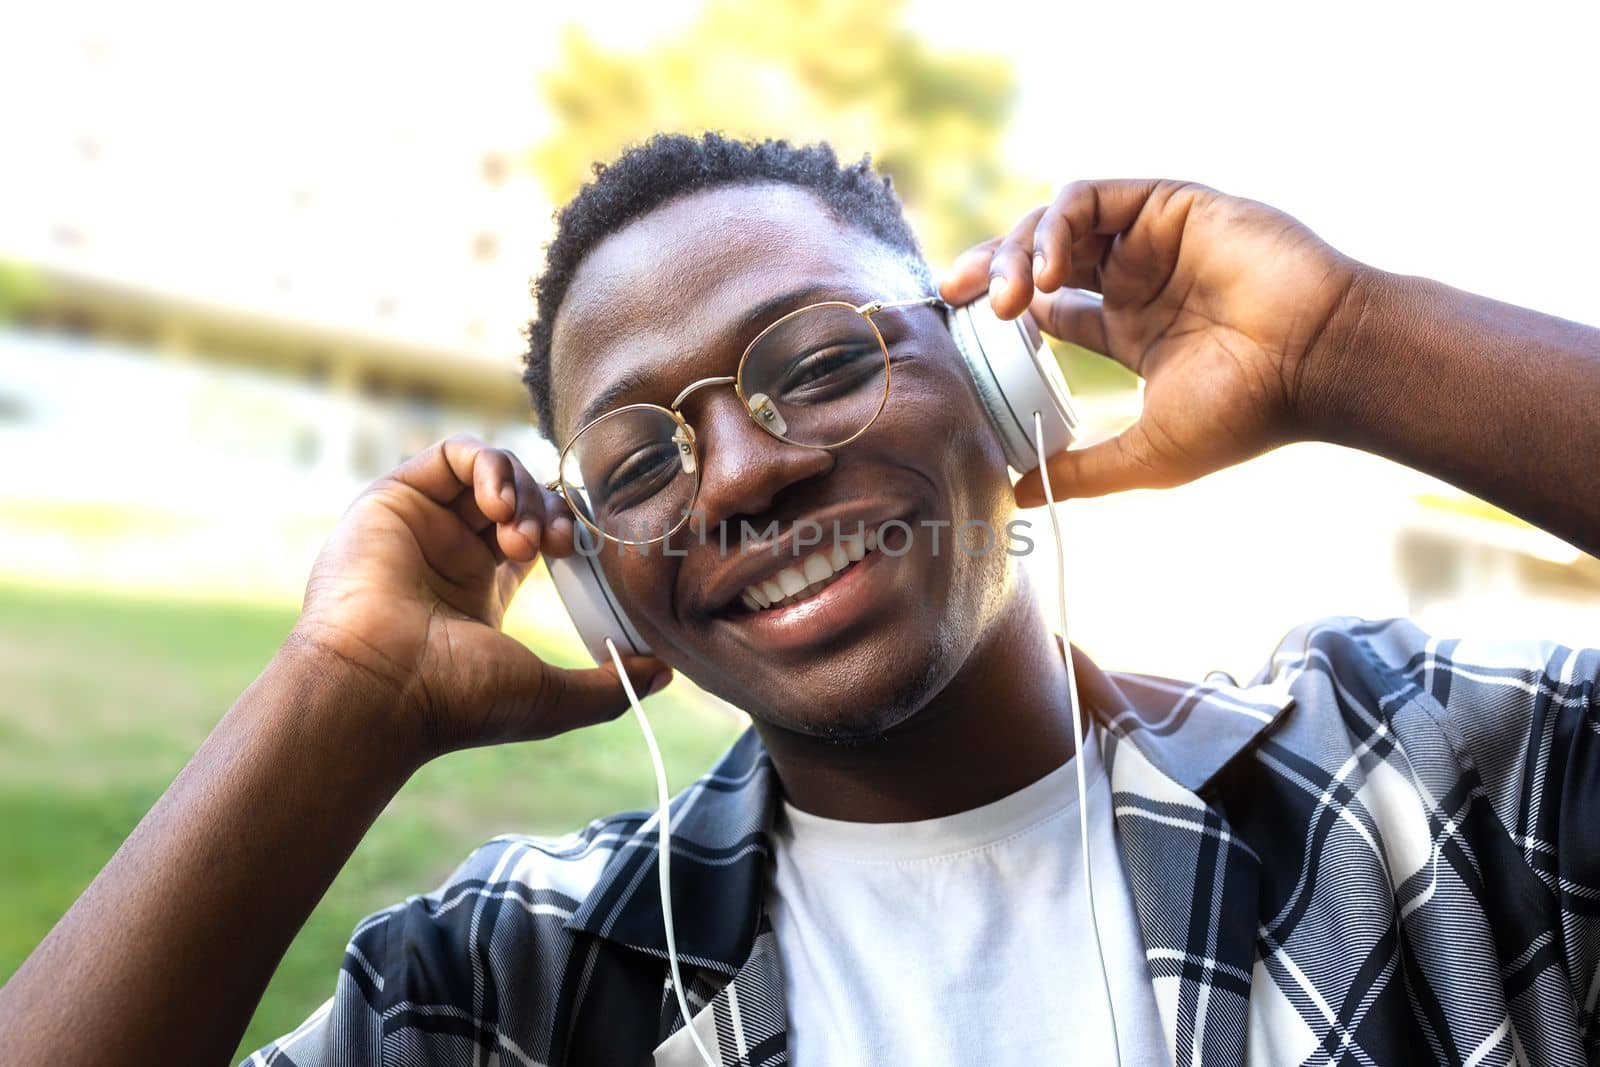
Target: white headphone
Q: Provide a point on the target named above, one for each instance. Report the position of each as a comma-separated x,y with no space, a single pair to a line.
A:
1015,374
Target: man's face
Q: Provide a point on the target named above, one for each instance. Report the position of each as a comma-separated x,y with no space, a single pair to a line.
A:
676,296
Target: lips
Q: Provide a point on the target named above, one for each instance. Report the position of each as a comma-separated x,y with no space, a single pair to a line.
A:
787,567
811,575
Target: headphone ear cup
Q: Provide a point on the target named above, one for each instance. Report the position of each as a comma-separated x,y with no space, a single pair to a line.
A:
590,601
1015,374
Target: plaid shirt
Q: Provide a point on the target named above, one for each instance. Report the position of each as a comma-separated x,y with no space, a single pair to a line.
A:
1379,852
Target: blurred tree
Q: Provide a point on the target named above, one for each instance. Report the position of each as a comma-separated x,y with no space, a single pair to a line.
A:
19,287
852,74
806,70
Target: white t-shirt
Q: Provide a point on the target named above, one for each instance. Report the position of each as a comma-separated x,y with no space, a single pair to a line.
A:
963,939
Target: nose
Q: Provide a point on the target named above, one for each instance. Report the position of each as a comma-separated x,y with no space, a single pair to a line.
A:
744,469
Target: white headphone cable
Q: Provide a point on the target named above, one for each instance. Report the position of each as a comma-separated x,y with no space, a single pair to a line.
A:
1077,727
664,797
664,866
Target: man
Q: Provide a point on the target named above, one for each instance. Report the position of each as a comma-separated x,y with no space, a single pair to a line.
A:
1377,852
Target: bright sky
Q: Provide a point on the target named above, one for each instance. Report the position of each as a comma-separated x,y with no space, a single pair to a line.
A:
1456,140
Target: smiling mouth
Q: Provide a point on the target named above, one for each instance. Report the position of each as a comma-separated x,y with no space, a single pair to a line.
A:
809,576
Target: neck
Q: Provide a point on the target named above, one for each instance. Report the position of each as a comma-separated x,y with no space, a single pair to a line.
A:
1001,723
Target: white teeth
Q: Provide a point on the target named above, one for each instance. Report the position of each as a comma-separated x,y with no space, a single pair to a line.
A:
791,581
815,572
816,568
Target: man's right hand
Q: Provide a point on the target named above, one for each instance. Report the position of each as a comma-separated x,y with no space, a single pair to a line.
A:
412,586
397,657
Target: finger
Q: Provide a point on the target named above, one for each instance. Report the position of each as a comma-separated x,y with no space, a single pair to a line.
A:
1011,268
1075,229
1074,316
559,536
567,698
466,507
1062,257
1126,461
968,277
521,535
441,471
489,508
1052,250
1104,207
447,544
494,484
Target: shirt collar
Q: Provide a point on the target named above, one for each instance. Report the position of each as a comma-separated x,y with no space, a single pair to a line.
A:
1190,731
720,844
721,824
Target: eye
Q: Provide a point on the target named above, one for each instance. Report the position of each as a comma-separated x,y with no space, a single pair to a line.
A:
824,373
640,474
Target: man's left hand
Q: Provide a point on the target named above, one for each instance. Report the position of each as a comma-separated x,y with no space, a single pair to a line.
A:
1223,305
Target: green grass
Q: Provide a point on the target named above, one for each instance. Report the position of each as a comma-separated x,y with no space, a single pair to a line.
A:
105,698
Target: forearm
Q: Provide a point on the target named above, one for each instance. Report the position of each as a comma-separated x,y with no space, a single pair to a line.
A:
1499,400
173,943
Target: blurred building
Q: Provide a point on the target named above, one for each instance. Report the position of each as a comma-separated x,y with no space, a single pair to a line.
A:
199,404
158,441
165,377
250,288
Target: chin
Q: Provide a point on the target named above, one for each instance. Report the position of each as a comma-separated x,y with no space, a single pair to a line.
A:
852,730
857,707
845,732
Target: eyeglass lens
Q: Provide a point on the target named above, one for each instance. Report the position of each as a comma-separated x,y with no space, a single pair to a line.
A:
817,377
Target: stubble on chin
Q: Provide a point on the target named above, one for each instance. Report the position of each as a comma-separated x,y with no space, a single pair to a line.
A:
872,724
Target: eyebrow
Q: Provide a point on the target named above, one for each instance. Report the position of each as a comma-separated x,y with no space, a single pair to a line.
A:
636,380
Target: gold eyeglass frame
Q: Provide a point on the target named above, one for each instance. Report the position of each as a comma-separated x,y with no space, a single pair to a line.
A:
684,436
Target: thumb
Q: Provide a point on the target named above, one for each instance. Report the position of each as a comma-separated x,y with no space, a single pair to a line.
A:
565,698
1126,461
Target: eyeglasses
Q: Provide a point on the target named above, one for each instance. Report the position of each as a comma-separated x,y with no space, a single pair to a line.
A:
817,377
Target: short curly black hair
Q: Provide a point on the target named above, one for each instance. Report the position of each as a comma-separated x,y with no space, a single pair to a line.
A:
668,166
